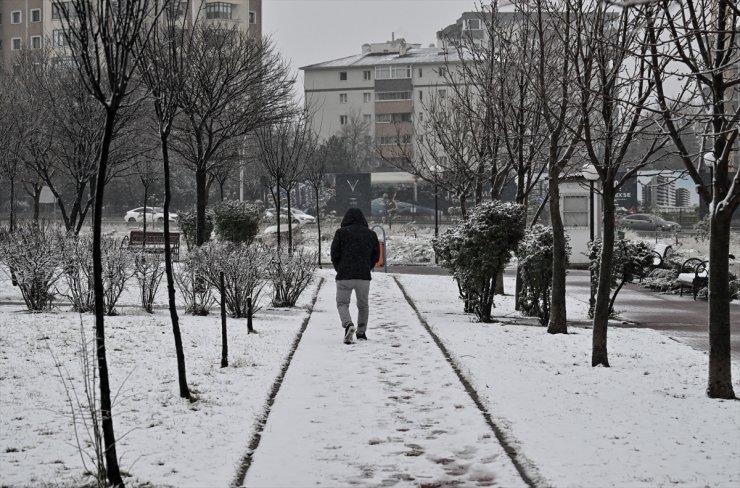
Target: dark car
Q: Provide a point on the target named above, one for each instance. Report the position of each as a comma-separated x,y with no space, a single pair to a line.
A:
648,222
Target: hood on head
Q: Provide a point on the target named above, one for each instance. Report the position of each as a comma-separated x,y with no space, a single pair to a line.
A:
354,216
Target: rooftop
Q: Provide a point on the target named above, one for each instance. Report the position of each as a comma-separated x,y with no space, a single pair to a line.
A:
413,54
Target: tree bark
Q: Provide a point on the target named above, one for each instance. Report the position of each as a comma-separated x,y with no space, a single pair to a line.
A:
224,335
558,323
111,458
37,202
318,222
720,372
290,226
599,356
12,204
201,191
180,353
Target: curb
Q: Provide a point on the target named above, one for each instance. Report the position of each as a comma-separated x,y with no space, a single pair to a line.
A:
526,469
254,442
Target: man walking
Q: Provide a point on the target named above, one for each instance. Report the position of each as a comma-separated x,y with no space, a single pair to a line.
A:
354,252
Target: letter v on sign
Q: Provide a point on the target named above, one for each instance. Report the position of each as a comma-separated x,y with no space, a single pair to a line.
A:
352,186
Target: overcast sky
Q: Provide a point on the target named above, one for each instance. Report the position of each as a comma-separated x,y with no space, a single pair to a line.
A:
311,31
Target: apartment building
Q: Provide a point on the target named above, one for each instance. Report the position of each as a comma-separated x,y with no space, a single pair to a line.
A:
384,87
36,24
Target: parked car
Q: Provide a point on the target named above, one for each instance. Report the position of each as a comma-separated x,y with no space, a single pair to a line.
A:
648,222
298,216
153,214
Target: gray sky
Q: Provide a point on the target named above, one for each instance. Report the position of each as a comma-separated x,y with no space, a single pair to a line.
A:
312,31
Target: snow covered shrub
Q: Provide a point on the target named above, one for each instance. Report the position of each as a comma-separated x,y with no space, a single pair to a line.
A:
535,267
32,252
236,221
78,272
632,259
476,250
195,291
149,270
186,221
245,275
702,229
117,269
290,275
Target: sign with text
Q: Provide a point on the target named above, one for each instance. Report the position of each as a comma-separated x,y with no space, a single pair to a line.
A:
353,190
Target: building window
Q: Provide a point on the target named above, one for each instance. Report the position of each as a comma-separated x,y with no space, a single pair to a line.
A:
393,140
367,97
342,76
342,98
442,71
218,10
16,17
36,15
472,24
367,75
421,73
392,72
367,118
15,44
58,38
395,118
421,116
252,17
421,95
442,93
58,10
575,210
36,42
342,120
387,96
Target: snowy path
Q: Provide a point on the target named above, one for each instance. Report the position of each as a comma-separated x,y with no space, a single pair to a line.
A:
386,412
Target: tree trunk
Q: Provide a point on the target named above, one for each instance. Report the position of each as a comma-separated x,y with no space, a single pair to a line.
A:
463,209
277,211
290,226
106,413
599,356
720,372
558,323
37,201
181,375
318,222
224,335
201,202
12,204
146,201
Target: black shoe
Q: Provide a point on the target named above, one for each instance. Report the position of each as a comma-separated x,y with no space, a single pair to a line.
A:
349,331
361,336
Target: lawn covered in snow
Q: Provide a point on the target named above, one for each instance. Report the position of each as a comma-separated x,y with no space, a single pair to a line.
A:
643,422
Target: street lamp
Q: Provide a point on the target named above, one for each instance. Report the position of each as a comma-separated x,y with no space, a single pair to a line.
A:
591,175
435,170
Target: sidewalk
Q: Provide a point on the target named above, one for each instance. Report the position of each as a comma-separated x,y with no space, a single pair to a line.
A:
388,411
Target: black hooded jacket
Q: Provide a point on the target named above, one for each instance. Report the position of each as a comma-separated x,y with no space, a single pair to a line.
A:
355,248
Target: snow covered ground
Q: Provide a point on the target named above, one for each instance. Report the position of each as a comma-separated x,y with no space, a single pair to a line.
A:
375,413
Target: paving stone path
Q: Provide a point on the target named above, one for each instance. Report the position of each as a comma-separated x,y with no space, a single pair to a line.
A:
389,411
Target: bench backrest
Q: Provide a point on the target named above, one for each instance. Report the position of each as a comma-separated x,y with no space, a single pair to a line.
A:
137,237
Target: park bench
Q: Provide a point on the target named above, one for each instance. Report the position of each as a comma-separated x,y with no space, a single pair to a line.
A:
695,274
154,242
660,253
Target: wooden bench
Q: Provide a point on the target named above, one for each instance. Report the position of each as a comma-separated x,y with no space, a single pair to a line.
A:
154,242
694,273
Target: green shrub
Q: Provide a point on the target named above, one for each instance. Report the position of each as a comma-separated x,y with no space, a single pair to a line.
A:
186,221
632,259
535,267
476,250
236,221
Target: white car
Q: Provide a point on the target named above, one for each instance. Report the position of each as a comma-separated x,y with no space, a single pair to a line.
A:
299,216
153,214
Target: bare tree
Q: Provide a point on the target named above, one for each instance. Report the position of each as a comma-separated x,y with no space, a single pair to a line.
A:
162,70
619,134
102,38
234,84
314,173
553,25
283,149
695,44
13,128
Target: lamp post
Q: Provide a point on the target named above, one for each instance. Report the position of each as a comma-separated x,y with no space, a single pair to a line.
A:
591,175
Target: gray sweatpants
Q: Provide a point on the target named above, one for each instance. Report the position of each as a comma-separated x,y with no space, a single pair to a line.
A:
344,295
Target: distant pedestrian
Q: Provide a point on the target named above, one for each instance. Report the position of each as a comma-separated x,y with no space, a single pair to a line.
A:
354,252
